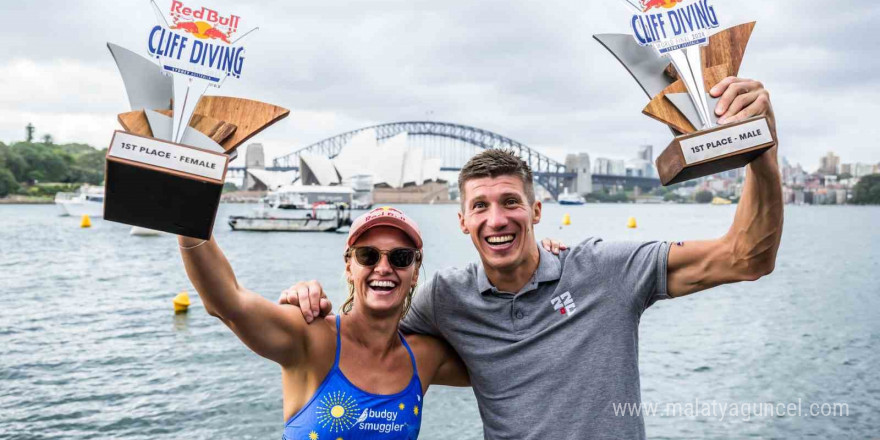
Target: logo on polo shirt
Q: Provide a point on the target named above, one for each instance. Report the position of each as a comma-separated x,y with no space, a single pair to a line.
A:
563,303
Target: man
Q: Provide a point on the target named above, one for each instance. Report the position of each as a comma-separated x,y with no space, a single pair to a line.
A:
552,342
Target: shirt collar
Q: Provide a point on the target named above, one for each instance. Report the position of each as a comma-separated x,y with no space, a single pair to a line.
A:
549,269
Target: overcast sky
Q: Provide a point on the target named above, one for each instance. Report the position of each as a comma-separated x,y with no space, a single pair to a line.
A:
526,69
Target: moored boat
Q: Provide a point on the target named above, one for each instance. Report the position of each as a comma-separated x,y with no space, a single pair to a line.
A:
306,196
89,200
321,218
568,198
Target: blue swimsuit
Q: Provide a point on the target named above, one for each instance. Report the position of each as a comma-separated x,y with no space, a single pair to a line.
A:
340,410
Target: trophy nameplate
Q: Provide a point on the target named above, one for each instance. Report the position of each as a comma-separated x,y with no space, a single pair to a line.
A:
166,170
677,32
161,178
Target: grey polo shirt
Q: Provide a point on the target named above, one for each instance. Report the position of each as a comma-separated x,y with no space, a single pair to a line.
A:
549,361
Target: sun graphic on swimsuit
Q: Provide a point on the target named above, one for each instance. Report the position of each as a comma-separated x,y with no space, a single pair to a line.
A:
416,410
313,435
337,410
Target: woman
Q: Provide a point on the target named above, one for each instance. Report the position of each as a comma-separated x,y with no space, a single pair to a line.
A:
351,376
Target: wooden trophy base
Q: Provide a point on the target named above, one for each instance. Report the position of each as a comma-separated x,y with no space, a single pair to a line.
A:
162,185
718,149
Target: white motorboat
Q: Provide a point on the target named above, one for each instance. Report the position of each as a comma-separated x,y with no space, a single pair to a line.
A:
89,200
307,196
568,198
321,218
138,231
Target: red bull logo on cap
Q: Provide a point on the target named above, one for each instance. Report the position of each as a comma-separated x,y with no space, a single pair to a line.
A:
669,25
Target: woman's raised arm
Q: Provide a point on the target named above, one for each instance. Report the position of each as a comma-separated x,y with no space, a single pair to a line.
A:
265,327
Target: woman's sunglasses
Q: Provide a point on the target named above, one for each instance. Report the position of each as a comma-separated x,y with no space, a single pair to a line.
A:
400,258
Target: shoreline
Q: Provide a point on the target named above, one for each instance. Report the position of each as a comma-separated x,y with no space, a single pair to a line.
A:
26,200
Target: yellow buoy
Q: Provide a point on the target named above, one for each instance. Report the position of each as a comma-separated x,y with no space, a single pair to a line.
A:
566,220
631,223
86,222
181,302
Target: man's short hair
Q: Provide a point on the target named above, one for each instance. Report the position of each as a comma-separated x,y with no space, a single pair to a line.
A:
497,162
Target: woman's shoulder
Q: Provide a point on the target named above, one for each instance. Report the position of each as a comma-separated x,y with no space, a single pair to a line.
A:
324,327
320,338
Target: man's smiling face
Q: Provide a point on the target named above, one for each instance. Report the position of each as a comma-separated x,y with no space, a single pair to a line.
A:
498,216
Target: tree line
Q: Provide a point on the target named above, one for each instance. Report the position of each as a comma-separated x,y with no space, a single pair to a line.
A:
867,191
26,164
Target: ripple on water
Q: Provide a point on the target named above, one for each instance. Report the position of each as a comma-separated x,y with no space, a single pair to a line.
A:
89,347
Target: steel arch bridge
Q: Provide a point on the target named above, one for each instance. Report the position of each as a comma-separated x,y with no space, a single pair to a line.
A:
547,172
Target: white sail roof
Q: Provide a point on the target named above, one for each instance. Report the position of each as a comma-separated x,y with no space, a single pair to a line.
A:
272,179
389,170
364,163
358,155
412,166
317,169
431,169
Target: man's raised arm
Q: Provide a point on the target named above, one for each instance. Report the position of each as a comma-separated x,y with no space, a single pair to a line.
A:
748,250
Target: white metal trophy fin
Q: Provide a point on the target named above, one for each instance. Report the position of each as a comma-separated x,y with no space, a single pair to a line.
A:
684,104
145,84
187,92
191,136
695,60
160,125
642,62
688,63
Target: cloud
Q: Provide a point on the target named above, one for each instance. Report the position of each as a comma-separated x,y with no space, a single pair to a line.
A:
527,70
71,100
63,85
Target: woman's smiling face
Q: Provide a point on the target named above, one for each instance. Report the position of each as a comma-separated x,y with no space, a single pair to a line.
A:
382,289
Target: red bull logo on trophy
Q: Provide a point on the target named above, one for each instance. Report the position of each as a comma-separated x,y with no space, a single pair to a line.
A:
197,42
203,23
647,5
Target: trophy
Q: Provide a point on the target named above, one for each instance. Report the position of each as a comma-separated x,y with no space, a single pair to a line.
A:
165,171
673,58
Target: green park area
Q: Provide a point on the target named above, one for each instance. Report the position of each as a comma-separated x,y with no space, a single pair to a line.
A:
34,170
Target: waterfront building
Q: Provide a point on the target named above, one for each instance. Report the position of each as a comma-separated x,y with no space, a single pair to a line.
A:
610,167
580,164
257,177
264,180
829,164
863,169
646,152
393,171
841,196
639,168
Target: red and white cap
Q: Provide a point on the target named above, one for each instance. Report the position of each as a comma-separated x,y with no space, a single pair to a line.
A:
385,216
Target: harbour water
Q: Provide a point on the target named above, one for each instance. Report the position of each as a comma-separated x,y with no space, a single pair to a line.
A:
90,348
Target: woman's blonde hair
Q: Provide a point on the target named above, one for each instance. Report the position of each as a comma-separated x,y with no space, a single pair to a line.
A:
349,302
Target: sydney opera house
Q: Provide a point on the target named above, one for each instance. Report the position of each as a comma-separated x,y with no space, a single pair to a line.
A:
392,171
